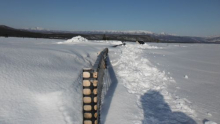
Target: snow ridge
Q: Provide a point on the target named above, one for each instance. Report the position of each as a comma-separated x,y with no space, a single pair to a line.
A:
140,77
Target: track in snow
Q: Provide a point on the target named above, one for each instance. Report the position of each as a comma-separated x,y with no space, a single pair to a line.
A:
147,100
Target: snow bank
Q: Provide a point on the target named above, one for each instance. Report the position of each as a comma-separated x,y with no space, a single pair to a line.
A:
76,39
40,81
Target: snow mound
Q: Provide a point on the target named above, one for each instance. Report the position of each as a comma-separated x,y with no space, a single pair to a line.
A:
186,76
74,40
210,122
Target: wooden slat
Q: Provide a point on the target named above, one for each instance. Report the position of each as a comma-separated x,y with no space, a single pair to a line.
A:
87,107
96,122
87,100
95,75
95,91
87,115
86,91
95,83
86,83
86,75
95,115
95,107
87,122
95,99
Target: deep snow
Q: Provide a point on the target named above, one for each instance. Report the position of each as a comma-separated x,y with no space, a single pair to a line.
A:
196,70
141,95
40,82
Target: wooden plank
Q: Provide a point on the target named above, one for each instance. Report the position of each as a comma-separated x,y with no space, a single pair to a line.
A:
95,83
87,115
87,100
95,99
86,75
95,115
95,107
87,122
96,122
86,83
86,91
87,107
95,75
95,91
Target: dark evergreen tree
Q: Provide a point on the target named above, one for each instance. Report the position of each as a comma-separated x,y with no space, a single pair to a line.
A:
104,37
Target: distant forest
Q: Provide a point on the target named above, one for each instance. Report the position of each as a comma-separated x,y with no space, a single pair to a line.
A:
6,31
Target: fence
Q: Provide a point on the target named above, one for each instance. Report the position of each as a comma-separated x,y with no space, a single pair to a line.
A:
92,89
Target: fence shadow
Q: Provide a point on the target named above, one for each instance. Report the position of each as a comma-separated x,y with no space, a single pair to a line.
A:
157,111
109,86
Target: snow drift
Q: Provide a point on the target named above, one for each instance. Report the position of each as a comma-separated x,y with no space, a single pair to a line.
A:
76,39
40,82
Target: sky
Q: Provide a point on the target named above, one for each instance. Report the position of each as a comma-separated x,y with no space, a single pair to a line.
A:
180,17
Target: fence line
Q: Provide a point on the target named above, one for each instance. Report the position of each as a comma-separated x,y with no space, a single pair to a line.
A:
92,89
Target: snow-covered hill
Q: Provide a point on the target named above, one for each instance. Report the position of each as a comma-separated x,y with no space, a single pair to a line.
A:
141,35
163,37
132,32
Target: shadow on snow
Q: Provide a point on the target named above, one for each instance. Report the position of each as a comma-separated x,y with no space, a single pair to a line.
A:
109,86
157,111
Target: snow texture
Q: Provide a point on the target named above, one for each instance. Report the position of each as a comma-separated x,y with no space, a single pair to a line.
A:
201,64
209,122
155,105
40,82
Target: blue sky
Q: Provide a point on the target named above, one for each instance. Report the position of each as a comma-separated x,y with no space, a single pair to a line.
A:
181,17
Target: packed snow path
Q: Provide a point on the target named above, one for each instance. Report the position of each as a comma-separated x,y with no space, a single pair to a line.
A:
141,95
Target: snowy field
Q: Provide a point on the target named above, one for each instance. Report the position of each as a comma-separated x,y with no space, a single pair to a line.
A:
40,82
196,70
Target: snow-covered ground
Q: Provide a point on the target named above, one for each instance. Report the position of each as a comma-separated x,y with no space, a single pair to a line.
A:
40,82
196,70
142,95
